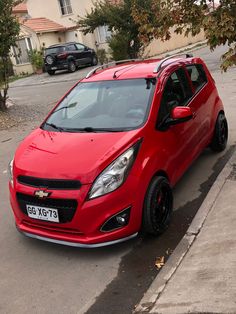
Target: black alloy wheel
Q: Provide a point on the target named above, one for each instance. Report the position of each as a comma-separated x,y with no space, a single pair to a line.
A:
71,66
220,137
158,206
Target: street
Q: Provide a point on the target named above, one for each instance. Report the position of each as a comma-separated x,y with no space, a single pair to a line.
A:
39,277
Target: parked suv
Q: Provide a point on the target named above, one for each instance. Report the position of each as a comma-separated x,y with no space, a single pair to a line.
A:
102,165
68,56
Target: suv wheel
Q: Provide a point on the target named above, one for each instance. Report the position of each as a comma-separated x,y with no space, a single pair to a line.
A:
51,72
158,206
94,60
220,136
71,66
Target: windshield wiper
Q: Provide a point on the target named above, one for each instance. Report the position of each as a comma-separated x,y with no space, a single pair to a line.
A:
65,107
54,126
90,129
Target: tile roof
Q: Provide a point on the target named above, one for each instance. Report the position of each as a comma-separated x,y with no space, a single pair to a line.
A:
20,8
43,25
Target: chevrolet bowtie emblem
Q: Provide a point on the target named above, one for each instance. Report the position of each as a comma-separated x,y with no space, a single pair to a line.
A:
42,194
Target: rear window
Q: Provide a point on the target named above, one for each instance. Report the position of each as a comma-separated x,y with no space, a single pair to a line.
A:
197,75
54,50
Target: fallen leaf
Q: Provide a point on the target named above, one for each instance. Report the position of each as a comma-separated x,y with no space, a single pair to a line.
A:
160,261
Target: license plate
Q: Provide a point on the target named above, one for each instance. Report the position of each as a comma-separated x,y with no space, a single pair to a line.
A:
42,213
53,68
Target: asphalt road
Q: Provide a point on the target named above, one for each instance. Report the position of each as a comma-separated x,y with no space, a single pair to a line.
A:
38,277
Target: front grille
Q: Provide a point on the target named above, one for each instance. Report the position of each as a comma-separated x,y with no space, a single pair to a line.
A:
66,207
53,184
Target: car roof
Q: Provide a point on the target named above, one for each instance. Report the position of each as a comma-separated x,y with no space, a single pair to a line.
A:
149,68
63,44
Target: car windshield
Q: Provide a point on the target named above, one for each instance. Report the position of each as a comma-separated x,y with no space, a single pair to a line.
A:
116,105
54,50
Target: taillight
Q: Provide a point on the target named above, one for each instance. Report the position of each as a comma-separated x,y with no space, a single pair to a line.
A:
62,55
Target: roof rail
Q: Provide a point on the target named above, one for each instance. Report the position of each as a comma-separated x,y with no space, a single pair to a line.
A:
159,65
107,65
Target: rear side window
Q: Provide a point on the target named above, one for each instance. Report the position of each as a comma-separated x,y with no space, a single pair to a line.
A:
54,50
197,76
71,48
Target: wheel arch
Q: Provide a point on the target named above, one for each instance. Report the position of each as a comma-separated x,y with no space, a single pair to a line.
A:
70,58
161,173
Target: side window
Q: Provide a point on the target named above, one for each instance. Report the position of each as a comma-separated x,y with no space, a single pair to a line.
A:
176,92
71,48
80,47
197,76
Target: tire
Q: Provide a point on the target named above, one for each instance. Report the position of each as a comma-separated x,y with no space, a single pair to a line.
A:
94,60
220,137
158,206
51,72
50,59
71,66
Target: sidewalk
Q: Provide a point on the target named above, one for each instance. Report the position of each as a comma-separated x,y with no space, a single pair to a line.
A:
200,276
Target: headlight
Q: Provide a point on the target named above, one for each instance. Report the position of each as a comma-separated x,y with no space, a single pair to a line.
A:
115,174
10,171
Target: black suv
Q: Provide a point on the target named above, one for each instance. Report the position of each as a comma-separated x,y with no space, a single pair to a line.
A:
68,56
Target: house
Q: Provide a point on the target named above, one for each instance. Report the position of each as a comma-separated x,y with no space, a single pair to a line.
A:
48,22
44,23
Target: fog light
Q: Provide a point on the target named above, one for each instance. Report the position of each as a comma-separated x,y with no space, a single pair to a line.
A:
117,221
121,220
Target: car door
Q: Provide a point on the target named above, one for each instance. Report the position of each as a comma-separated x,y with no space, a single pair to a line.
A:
83,53
72,51
177,141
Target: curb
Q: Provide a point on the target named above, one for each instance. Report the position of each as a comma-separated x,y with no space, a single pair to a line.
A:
182,50
47,82
162,279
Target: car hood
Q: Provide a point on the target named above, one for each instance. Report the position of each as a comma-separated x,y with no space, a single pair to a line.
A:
77,156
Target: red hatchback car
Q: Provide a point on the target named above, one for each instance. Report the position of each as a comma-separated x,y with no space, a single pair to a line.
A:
102,165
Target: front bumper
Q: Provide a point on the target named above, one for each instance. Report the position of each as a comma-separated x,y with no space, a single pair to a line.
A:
76,244
84,230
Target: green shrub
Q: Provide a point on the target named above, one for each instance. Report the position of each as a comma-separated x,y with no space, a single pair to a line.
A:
119,44
36,59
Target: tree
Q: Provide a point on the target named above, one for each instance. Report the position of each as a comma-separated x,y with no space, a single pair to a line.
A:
218,20
9,32
118,18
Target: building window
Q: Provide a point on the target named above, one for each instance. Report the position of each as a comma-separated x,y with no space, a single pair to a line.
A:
65,6
103,34
21,51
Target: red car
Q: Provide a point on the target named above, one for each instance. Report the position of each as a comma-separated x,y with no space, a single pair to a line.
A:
102,165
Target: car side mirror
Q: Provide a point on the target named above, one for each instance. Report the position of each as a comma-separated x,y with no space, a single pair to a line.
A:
178,115
181,114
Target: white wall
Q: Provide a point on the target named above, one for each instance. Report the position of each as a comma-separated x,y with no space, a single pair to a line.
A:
51,10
